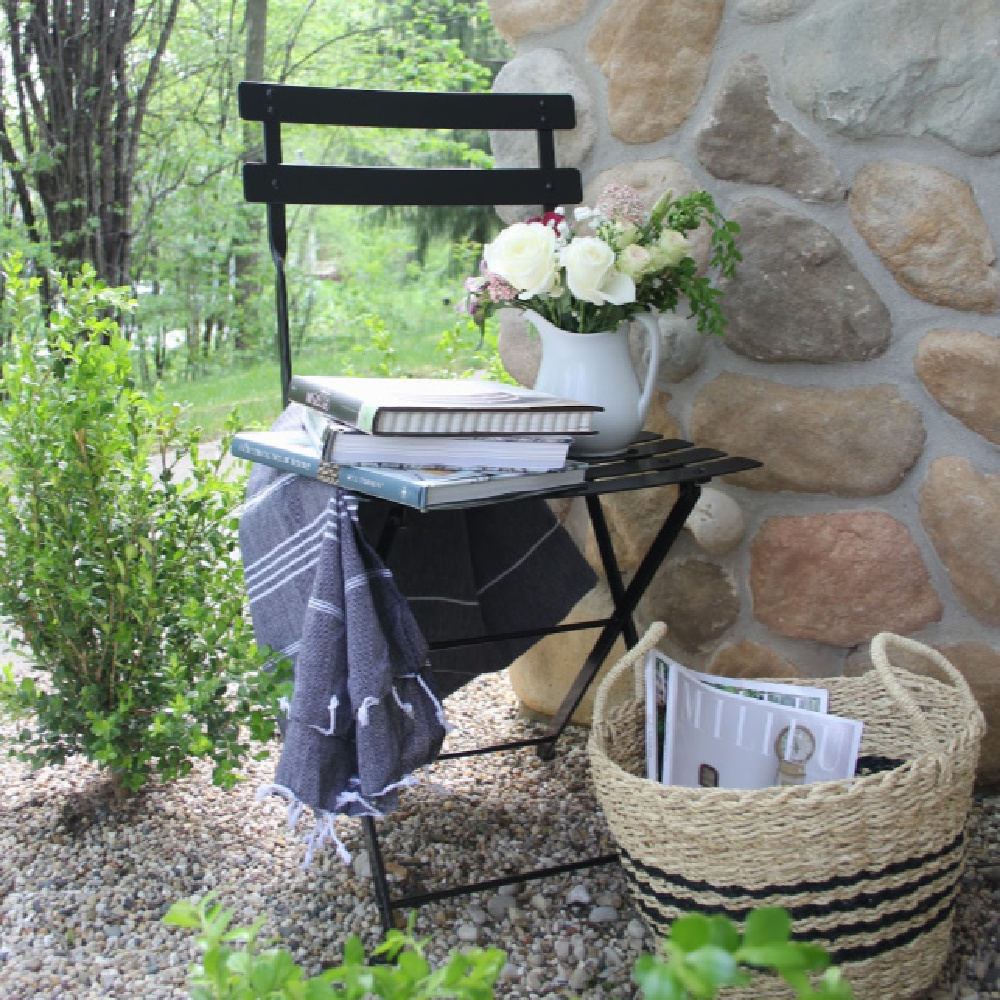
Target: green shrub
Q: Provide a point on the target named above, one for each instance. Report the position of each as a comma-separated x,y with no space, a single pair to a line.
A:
234,966
700,955
121,583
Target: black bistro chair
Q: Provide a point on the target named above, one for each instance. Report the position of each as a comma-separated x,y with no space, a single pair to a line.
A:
652,462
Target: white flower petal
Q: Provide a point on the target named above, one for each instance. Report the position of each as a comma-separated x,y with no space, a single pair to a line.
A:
618,288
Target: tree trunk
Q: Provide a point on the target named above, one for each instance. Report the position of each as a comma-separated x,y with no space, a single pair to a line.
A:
80,107
247,260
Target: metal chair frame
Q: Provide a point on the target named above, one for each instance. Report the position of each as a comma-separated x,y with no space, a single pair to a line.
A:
651,462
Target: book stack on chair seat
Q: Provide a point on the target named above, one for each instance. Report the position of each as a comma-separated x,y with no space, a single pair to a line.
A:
425,442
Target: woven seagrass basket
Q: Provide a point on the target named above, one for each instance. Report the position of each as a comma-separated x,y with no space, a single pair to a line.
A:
868,867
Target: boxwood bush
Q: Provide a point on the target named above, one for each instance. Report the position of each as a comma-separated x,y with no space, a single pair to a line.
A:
120,577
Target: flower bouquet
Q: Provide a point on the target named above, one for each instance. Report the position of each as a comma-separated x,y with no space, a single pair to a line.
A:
610,264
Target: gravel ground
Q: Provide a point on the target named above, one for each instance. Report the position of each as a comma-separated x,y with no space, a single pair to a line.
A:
83,884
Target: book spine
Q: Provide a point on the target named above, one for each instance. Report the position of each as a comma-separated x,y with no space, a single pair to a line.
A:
280,458
346,410
368,481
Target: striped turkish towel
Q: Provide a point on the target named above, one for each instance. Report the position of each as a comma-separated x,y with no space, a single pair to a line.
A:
365,709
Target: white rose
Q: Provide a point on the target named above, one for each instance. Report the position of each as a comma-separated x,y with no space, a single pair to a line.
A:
675,247
635,261
591,273
524,254
627,232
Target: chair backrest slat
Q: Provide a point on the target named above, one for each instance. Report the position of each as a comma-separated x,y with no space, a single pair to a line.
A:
296,184
277,184
263,102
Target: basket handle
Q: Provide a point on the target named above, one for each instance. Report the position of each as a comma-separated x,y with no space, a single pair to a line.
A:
887,674
637,653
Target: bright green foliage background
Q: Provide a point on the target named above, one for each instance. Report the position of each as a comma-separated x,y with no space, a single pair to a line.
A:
195,228
123,585
201,271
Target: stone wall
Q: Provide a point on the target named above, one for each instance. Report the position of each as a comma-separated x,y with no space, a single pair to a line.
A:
857,144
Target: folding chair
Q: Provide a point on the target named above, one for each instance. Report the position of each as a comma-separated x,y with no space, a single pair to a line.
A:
652,462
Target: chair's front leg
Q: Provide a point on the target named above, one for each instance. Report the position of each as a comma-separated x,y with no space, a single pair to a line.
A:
626,599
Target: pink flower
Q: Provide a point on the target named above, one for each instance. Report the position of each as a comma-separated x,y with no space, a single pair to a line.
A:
619,201
498,289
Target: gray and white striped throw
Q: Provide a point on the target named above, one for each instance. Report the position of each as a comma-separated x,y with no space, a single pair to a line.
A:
365,710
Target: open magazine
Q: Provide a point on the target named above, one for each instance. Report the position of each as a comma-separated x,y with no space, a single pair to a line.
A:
711,731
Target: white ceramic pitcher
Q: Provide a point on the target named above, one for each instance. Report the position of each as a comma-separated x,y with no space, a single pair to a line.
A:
597,368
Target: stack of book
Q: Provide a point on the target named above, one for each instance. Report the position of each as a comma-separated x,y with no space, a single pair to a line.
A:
425,442
725,732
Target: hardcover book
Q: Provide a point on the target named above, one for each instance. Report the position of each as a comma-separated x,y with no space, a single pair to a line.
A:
291,451
440,406
425,488
296,451
346,445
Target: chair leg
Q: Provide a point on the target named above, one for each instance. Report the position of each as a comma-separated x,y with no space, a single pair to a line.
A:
626,600
382,899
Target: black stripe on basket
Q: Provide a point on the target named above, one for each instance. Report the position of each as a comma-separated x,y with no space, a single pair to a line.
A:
806,911
824,885
845,953
827,937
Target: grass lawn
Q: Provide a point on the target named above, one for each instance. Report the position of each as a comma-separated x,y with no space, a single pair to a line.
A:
256,389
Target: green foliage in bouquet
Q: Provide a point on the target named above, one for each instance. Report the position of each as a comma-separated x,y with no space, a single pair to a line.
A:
609,263
121,583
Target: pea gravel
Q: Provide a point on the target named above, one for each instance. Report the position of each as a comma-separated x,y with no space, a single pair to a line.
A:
84,881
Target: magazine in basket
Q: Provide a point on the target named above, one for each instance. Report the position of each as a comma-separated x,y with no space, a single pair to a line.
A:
710,731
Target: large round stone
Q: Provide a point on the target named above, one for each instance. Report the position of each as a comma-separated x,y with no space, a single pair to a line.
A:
979,664
744,140
751,659
811,439
961,370
960,509
656,55
840,578
924,224
516,18
697,599
797,296
899,68
543,71
716,522
541,677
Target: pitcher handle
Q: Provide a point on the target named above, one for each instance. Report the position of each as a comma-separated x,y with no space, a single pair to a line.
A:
649,321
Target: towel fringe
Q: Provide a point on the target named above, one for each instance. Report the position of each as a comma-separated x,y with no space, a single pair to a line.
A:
438,707
295,807
369,702
322,831
334,703
405,706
